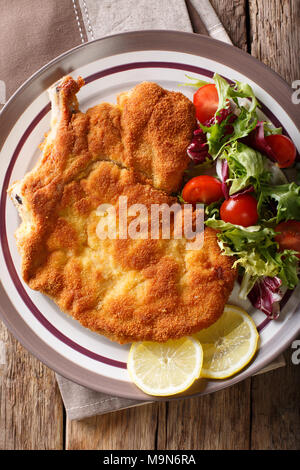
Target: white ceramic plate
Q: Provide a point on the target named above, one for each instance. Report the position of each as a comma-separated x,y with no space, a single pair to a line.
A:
109,66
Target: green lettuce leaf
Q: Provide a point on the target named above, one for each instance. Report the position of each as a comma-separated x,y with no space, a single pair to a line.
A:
195,82
246,167
245,122
270,130
238,90
287,197
256,253
213,209
216,136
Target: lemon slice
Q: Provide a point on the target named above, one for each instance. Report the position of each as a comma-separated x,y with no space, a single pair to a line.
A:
229,344
165,368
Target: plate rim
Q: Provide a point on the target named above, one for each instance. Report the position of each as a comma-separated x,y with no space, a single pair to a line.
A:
160,40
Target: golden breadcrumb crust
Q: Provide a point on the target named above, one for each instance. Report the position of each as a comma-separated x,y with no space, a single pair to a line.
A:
126,289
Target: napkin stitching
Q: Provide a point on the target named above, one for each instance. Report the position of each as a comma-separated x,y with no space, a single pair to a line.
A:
90,29
91,404
78,22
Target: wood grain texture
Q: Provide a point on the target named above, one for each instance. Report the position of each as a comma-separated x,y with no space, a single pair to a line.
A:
217,421
275,40
31,410
276,408
134,428
275,35
233,16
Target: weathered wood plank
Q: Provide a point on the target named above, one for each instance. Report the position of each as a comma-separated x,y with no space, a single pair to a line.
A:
275,35
233,16
276,409
134,428
31,410
275,39
217,421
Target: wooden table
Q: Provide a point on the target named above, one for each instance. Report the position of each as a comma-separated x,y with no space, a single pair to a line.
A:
260,413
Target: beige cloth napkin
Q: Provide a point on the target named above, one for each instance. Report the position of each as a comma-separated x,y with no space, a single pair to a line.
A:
33,32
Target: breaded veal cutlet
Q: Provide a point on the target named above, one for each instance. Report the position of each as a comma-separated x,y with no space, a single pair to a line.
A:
125,289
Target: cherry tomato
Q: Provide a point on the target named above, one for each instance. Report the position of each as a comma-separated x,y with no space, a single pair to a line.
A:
240,210
206,101
204,188
283,148
289,236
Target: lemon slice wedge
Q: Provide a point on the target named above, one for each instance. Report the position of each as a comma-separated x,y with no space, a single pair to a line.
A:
164,369
229,344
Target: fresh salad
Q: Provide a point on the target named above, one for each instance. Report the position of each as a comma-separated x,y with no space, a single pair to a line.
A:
236,170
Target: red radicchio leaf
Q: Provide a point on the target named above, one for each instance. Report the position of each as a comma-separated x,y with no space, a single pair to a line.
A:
249,189
225,176
256,139
265,296
223,114
198,148
222,170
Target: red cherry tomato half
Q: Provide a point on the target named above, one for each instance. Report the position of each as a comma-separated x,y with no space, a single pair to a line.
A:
241,210
206,101
204,188
283,148
289,236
